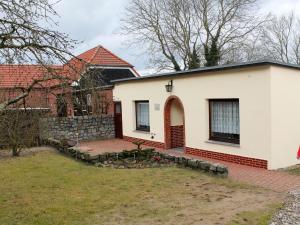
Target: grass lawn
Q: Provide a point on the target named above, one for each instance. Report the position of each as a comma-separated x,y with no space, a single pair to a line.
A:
294,170
49,188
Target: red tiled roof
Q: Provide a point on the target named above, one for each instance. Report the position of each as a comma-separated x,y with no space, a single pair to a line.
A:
98,56
22,75
101,56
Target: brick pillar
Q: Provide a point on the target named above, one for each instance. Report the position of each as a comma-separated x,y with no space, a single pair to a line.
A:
177,136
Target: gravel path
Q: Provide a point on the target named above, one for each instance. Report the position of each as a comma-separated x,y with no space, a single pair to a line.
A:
290,215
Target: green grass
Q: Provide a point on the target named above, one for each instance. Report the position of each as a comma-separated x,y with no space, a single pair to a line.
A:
49,188
294,170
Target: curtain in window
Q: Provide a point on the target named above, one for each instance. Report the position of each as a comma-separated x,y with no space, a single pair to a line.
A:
225,117
143,114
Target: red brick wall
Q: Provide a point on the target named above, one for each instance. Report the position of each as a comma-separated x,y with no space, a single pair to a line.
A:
39,98
228,158
177,136
107,96
52,104
36,99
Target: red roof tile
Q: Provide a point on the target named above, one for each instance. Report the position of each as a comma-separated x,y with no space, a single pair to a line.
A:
12,76
101,56
22,75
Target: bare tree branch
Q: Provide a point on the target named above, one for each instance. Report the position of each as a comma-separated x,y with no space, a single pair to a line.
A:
27,37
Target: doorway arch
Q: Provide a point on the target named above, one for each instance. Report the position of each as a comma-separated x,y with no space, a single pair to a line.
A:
174,123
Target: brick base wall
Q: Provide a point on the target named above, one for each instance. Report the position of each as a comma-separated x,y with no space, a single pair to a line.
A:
177,136
154,144
228,158
259,163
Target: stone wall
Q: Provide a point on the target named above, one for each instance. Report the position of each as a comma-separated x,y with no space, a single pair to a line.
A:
137,158
81,128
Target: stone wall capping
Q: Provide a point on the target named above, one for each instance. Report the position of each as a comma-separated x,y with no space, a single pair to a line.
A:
105,158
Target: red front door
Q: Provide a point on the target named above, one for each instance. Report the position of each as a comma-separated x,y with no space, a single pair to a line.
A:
118,120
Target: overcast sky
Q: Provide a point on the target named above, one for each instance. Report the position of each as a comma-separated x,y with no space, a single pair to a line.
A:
97,22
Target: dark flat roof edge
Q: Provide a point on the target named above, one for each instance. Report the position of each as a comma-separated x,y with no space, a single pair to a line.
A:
210,69
111,65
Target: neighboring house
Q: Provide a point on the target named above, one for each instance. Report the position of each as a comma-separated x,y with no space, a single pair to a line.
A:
14,79
104,65
93,91
243,113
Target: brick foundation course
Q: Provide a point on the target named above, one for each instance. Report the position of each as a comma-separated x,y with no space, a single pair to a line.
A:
259,163
247,161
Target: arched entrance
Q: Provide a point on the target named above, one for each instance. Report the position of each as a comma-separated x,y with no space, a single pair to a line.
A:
174,124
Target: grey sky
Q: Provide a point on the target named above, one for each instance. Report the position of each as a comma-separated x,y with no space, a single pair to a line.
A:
97,22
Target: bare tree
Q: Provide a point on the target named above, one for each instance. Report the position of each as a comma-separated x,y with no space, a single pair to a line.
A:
281,39
277,40
226,24
90,96
169,30
21,128
27,37
189,33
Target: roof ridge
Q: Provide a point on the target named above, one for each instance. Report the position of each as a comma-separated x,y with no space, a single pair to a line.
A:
96,52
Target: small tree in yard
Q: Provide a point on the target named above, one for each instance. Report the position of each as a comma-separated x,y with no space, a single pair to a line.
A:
21,129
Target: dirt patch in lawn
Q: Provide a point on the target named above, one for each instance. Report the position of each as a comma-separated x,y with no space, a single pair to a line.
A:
199,202
48,188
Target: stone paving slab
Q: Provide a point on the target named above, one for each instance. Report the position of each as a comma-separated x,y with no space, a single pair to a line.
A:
105,146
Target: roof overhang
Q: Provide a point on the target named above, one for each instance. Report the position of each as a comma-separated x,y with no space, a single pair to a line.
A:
131,68
210,69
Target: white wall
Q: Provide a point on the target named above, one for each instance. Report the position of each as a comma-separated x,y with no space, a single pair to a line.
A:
176,114
285,116
251,86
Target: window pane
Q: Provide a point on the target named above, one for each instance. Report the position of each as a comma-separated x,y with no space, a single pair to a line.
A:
118,108
225,121
142,115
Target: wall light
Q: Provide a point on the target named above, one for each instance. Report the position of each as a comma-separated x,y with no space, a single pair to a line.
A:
169,86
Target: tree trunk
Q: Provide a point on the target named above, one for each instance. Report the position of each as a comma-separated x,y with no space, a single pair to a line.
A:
16,152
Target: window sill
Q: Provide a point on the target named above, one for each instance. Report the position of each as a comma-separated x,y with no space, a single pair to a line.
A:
223,143
141,131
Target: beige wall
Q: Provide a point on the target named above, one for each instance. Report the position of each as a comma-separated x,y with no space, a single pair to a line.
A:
285,116
177,115
251,86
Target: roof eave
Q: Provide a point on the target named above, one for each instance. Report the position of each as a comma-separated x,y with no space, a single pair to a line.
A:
210,69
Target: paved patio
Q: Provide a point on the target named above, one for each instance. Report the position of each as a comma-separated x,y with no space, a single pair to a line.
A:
103,146
274,180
